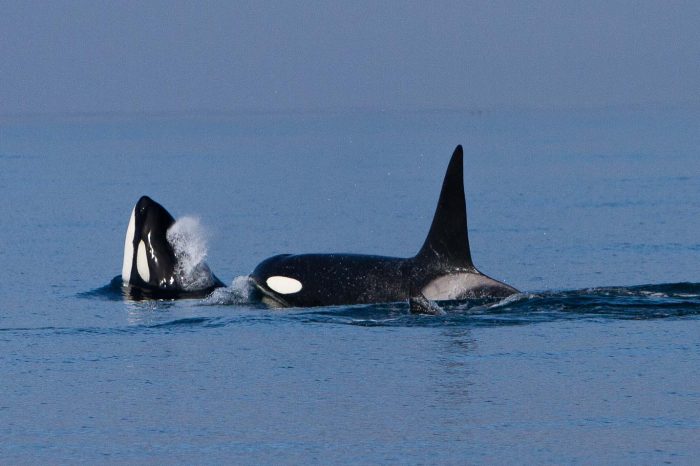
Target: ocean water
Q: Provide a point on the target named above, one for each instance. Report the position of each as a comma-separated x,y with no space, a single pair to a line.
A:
593,214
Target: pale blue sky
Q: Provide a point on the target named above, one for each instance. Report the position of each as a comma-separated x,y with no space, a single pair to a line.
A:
95,56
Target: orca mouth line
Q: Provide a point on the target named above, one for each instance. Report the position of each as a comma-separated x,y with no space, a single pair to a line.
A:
274,300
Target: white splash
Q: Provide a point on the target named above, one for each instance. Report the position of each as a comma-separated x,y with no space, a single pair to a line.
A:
238,293
188,240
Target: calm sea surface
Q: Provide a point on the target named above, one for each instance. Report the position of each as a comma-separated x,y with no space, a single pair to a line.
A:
593,214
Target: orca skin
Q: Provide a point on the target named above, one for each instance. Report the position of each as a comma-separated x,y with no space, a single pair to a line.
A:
151,266
442,269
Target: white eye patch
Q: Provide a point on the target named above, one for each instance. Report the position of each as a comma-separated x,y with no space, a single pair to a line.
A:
283,285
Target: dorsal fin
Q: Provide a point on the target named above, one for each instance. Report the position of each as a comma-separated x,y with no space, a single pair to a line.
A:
447,243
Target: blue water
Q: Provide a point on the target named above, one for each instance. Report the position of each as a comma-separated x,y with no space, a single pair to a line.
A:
594,214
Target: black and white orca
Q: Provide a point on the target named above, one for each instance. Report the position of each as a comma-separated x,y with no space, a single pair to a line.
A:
153,267
442,269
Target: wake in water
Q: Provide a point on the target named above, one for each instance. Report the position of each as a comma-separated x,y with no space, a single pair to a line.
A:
644,302
240,292
634,302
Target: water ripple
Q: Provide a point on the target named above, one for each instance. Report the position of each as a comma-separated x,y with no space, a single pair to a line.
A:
644,302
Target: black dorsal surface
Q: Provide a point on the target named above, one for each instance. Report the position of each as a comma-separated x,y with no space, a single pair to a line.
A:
447,244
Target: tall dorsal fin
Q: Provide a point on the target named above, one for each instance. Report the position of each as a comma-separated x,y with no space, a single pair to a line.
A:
447,243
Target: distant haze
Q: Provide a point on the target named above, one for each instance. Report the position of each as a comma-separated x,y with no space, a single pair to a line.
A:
174,56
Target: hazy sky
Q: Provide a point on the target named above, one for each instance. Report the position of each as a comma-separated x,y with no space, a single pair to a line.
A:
97,56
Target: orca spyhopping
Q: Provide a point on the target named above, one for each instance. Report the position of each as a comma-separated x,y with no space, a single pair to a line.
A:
152,267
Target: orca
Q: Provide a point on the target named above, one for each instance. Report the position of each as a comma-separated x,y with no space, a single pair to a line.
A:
153,267
442,269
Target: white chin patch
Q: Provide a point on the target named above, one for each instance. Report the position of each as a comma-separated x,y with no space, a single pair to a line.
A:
128,250
283,285
142,262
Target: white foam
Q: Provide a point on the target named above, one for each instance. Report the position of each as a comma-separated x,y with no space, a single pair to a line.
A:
238,293
511,299
188,240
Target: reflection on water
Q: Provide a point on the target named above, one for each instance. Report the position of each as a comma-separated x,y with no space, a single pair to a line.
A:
453,371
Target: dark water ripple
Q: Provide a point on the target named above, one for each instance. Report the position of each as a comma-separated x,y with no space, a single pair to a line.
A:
644,302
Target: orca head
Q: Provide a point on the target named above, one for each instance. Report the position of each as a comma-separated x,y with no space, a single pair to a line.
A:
152,266
276,282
